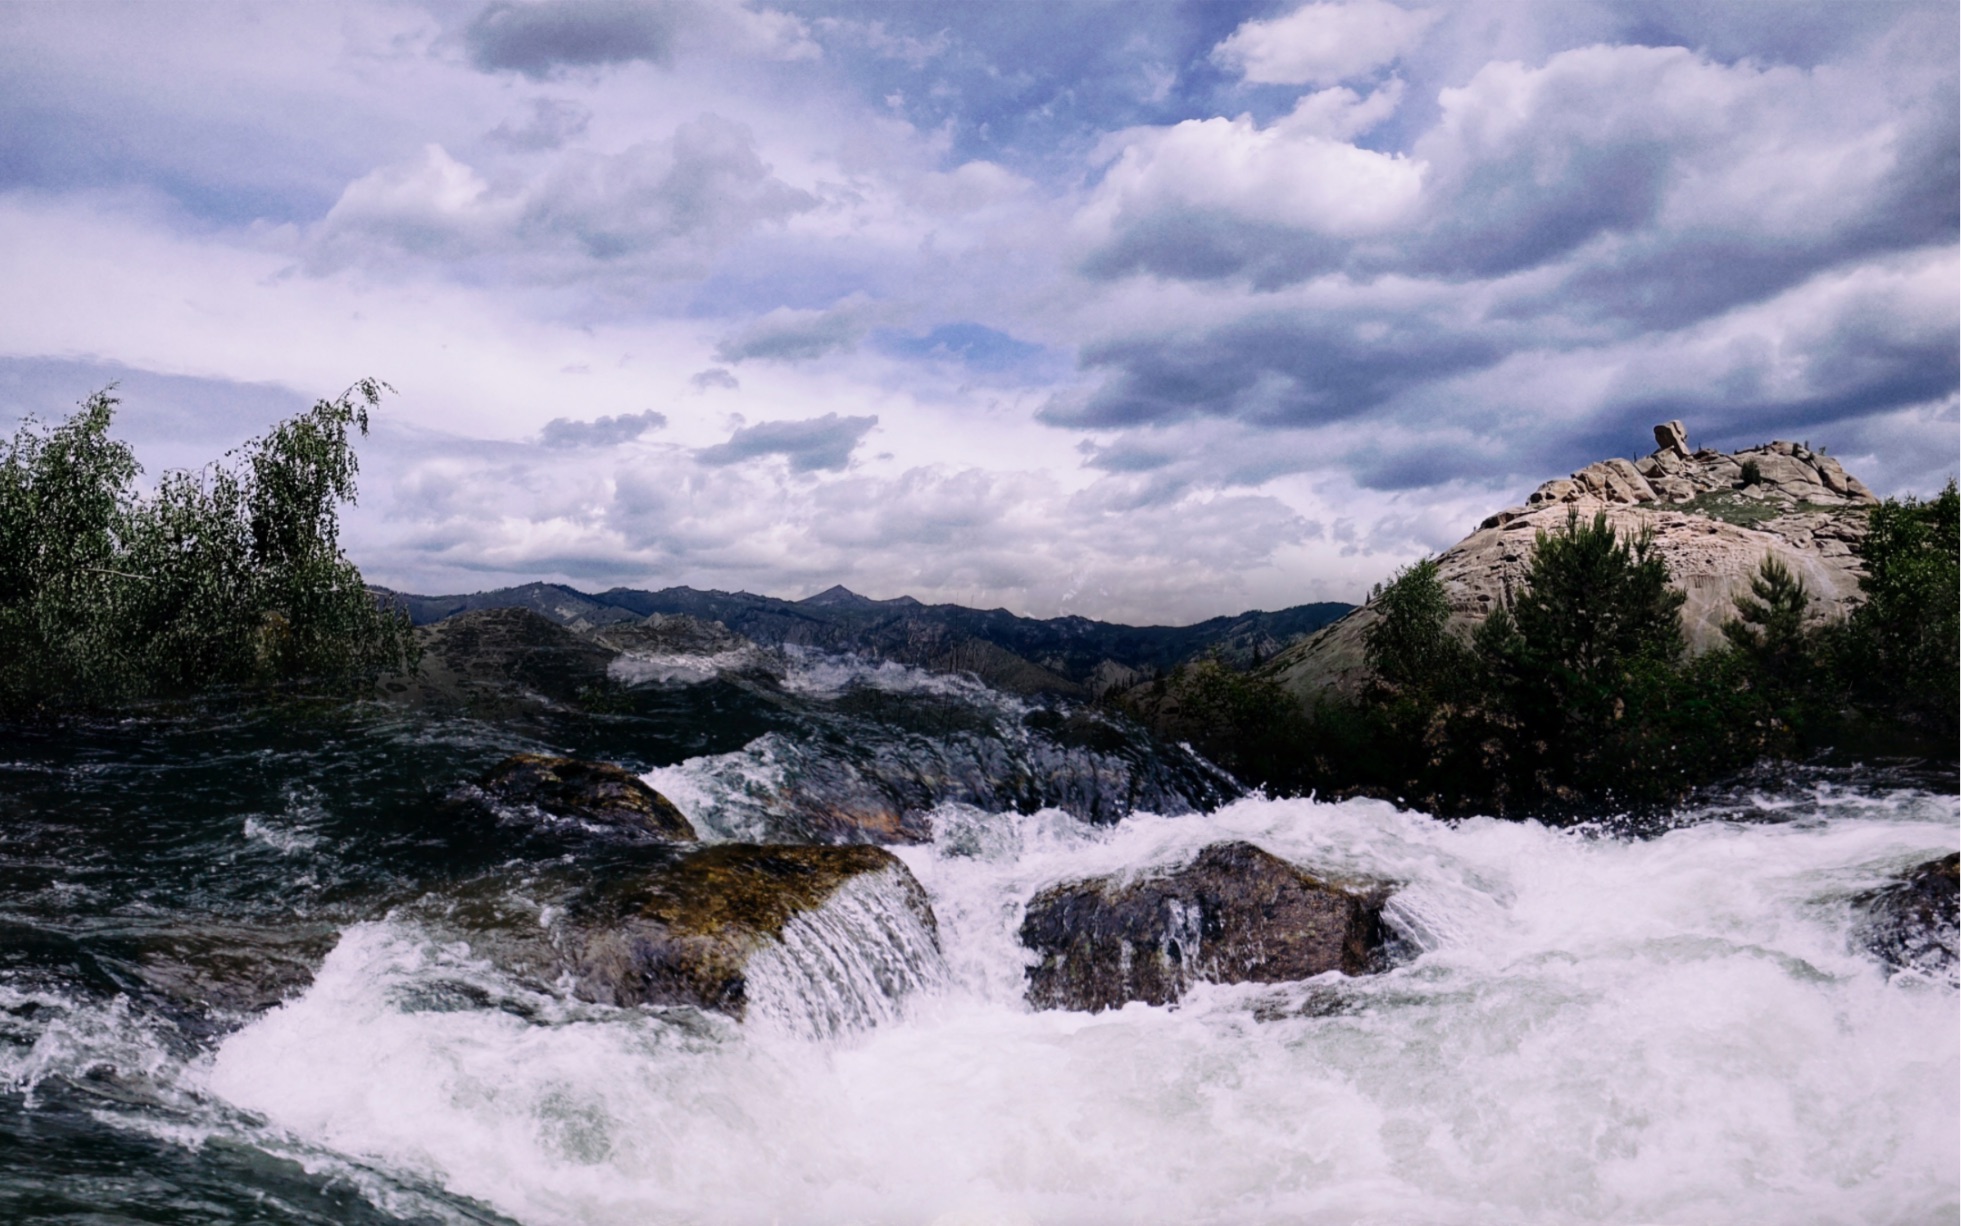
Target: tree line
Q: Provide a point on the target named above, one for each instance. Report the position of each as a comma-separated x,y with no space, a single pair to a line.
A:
1579,695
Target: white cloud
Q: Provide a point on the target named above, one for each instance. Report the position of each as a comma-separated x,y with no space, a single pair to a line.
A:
1322,44
658,207
1204,197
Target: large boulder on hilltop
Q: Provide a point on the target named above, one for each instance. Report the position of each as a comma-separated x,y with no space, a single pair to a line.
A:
596,794
1714,522
1913,924
1236,914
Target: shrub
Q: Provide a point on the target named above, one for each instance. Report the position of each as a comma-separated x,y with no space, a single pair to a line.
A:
1247,724
1902,642
1409,646
229,575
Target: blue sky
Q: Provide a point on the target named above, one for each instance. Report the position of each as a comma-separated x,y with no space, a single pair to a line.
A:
1148,312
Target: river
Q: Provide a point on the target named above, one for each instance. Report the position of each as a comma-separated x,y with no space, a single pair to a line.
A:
217,1003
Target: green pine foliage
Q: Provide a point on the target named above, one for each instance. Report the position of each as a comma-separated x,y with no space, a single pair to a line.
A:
1578,698
228,576
1902,641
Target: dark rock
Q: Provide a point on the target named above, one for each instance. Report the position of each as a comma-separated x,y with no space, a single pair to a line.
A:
502,661
594,792
1912,924
1237,914
684,934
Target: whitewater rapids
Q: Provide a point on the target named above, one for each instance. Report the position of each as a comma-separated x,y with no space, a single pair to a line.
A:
1585,1028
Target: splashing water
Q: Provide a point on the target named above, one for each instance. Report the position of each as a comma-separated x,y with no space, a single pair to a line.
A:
1588,1027
1595,1029
851,964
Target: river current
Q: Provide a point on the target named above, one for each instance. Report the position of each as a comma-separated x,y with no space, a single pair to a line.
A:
217,1003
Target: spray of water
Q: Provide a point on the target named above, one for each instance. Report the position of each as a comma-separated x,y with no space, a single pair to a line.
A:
1591,1029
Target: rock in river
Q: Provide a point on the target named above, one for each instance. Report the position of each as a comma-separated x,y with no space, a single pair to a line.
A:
1237,914
596,793
694,932
1913,923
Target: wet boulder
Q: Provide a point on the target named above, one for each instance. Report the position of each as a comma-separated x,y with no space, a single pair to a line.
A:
692,932
1912,924
597,794
1236,914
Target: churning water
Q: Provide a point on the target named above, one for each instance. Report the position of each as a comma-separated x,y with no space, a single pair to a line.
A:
1679,1026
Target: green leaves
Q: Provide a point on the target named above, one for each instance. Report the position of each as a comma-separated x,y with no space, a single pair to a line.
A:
1903,639
229,575
1409,645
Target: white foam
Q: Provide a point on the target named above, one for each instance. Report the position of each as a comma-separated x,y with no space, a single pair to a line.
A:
820,674
730,795
849,965
1598,1030
679,668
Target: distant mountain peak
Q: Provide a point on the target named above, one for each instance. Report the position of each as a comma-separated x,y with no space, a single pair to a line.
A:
838,596
835,596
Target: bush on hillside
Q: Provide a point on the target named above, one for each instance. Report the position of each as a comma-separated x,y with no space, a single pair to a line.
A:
229,575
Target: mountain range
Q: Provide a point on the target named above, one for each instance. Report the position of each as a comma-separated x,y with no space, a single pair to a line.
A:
1071,656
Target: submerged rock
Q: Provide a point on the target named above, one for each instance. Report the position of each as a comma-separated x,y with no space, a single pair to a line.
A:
689,933
1237,914
598,793
1913,924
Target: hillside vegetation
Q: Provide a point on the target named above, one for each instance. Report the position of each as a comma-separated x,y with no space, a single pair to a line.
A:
1578,693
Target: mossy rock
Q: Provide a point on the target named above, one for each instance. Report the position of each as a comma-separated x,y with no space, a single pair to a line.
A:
1236,914
596,793
683,934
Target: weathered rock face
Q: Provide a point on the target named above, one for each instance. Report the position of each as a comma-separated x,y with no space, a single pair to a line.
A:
596,793
687,934
1236,915
1713,530
1914,924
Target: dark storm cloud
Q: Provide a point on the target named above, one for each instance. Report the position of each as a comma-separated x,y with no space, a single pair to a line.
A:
1604,236
600,431
1271,369
813,445
541,37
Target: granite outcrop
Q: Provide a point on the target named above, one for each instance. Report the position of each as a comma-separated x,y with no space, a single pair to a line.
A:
1715,517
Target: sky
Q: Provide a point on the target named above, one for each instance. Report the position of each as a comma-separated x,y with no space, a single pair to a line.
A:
1141,311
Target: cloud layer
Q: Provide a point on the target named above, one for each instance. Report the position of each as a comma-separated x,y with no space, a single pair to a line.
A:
1145,310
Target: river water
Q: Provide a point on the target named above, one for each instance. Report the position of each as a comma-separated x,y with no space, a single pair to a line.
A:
217,1005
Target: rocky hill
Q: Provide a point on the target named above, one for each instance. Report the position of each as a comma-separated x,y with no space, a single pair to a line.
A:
1715,517
1069,656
